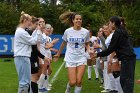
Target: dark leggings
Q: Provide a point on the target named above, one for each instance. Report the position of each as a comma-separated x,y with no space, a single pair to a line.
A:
127,74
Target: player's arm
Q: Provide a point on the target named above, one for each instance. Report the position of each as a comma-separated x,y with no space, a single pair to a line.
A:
64,43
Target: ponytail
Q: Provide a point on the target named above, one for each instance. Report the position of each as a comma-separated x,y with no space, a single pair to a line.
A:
68,17
24,16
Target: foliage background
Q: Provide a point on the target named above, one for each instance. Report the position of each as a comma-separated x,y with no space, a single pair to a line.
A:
95,13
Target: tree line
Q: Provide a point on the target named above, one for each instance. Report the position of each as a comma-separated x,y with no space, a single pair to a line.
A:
95,13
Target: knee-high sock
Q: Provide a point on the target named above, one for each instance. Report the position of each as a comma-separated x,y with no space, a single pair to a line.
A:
89,71
117,81
77,89
112,82
68,87
96,71
48,77
34,87
45,85
41,81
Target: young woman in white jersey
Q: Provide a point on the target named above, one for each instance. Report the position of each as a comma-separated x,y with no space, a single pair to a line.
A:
22,51
90,62
45,46
77,40
50,48
108,77
40,22
35,55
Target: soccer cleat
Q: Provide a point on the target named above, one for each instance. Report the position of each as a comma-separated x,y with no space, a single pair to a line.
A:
97,79
105,91
102,81
49,88
67,91
113,91
50,85
89,78
102,86
42,90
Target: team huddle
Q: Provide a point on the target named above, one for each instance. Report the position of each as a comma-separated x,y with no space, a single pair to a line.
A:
110,53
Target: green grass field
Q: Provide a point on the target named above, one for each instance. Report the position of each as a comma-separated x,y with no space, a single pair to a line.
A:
9,80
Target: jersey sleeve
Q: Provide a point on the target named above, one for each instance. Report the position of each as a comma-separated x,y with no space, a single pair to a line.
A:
87,37
64,37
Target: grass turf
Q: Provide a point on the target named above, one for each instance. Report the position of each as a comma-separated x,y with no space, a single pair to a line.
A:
9,80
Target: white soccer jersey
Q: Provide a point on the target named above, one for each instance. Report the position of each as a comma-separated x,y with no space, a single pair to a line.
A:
93,39
107,42
76,40
43,50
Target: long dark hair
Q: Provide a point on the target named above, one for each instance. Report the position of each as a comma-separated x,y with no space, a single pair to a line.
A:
123,24
68,17
116,20
118,25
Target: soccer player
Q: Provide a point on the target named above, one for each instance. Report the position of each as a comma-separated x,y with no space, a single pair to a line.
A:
34,56
90,62
77,40
45,45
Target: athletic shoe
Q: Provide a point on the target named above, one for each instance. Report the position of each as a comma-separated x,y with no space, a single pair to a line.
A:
113,91
50,85
67,91
97,79
105,91
102,81
48,88
89,78
42,90
102,86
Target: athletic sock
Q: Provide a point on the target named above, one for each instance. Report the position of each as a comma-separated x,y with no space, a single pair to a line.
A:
89,71
45,85
68,87
34,87
41,81
77,89
96,71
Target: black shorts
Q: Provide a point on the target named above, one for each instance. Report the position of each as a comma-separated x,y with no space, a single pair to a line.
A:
34,67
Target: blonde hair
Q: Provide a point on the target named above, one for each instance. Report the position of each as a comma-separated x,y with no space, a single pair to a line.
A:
24,16
67,17
48,26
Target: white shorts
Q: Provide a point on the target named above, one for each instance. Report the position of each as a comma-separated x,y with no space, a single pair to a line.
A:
72,64
87,55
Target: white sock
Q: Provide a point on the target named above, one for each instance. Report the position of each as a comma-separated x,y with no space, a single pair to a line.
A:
48,77
96,71
89,71
68,87
78,89
112,82
41,81
45,85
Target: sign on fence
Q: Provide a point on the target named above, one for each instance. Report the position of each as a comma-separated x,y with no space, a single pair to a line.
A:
7,45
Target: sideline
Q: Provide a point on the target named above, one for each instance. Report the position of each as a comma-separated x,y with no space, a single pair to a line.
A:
56,74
